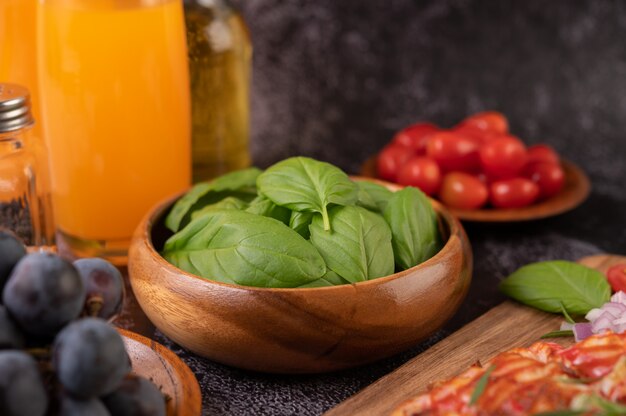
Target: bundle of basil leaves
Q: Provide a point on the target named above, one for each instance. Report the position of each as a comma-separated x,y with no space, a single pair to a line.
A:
301,223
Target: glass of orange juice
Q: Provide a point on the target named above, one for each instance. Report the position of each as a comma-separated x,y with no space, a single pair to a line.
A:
17,48
114,90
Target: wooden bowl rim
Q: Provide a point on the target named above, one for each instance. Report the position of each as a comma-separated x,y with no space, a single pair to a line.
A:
454,226
193,405
532,212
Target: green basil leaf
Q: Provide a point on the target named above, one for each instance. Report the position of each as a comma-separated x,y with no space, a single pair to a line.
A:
329,279
305,184
373,196
265,207
550,285
206,193
359,246
300,221
225,204
414,227
334,279
246,249
239,179
321,282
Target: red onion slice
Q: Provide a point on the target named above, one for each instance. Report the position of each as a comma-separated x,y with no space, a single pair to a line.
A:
582,330
619,297
610,317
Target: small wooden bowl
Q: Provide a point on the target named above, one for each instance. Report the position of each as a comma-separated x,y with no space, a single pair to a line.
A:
155,362
575,190
308,330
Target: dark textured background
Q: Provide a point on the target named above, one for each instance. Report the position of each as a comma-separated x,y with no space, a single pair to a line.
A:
334,78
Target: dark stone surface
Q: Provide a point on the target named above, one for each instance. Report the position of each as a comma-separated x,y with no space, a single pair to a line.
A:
333,79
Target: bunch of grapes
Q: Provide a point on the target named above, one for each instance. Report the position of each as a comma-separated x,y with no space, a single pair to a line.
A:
58,354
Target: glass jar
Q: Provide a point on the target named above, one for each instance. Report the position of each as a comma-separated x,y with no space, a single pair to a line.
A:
24,197
219,66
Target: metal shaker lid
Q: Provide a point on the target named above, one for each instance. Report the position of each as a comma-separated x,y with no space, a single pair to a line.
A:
15,112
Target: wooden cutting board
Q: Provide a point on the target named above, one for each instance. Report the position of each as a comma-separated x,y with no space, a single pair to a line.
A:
506,326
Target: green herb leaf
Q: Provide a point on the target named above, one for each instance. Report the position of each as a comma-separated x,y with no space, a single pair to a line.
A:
329,279
551,285
225,204
305,184
558,334
359,246
481,384
300,221
414,227
246,249
207,193
566,315
608,407
373,196
265,207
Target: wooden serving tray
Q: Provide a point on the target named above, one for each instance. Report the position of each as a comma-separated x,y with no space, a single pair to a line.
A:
506,326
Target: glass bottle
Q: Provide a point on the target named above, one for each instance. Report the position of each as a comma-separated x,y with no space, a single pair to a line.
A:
24,196
219,66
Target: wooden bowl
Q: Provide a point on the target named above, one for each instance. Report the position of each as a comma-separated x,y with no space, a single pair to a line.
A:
300,330
155,362
575,190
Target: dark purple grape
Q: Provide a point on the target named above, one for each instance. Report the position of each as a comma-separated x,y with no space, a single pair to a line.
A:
10,335
104,286
22,392
90,358
11,251
73,407
136,396
43,294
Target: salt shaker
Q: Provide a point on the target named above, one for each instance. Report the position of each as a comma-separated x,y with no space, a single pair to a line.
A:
24,196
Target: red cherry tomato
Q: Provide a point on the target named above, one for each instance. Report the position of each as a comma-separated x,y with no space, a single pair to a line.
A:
463,191
453,151
503,157
422,173
616,275
542,153
391,159
513,193
493,121
482,177
481,136
547,175
415,136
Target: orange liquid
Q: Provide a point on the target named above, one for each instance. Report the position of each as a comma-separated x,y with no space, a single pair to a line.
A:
17,49
115,98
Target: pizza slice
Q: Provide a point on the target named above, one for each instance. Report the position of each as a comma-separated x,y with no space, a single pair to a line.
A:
587,377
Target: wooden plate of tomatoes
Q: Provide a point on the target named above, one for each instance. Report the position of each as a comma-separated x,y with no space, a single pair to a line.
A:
480,171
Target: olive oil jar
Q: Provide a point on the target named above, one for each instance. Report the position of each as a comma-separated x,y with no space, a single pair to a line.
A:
219,66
